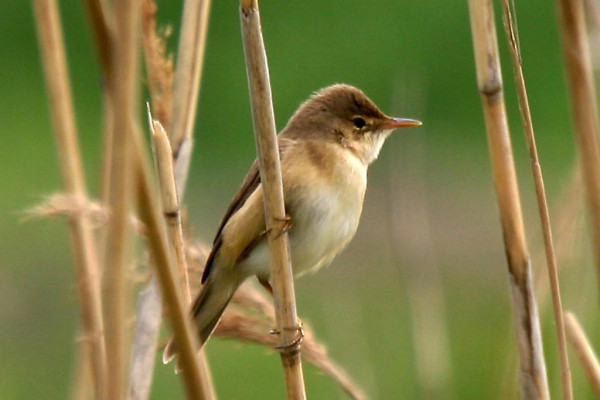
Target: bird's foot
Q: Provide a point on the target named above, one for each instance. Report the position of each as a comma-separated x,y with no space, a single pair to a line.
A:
285,225
297,340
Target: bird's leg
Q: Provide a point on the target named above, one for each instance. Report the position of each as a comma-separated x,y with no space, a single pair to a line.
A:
299,328
286,225
265,283
297,340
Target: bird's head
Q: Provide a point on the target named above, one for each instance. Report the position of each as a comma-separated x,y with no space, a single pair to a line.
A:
344,114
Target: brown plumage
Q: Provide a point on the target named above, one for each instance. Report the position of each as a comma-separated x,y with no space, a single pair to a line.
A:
325,150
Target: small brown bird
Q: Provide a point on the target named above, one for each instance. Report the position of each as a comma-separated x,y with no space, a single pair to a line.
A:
325,150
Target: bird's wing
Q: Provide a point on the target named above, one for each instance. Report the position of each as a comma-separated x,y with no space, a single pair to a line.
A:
243,225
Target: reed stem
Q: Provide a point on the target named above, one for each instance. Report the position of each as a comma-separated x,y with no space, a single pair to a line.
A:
585,352
118,239
184,335
270,174
515,51
583,105
534,383
83,241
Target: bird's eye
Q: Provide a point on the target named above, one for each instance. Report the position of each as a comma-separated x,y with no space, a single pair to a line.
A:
358,122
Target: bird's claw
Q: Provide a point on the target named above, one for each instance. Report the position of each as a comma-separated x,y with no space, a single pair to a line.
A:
286,225
297,340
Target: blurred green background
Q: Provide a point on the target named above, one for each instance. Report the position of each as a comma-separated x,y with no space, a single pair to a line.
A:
418,306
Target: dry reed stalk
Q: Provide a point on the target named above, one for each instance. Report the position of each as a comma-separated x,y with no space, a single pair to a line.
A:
184,335
190,58
568,222
585,352
117,261
146,334
170,203
275,217
244,327
102,21
569,217
82,380
160,80
82,238
251,317
583,106
593,14
103,27
533,370
160,71
515,51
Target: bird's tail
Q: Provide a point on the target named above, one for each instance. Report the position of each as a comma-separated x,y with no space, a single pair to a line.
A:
208,307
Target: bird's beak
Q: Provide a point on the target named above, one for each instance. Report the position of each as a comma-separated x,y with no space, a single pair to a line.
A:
393,123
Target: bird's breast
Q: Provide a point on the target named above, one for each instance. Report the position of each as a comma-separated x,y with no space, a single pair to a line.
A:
324,200
325,211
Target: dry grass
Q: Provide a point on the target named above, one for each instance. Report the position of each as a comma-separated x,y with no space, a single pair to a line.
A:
132,210
270,174
510,24
130,204
534,383
585,352
251,318
86,261
584,107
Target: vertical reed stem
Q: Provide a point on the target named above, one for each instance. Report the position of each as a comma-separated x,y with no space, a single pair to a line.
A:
585,352
511,31
583,106
533,370
82,238
102,22
170,203
190,58
181,324
177,159
270,173
125,68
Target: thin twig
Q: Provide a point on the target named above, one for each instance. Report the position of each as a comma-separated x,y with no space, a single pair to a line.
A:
270,174
146,334
159,67
245,327
188,73
172,215
512,34
592,11
119,197
583,106
103,27
533,370
150,214
190,58
82,238
81,381
251,316
585,352
104,30
170,203
569,211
